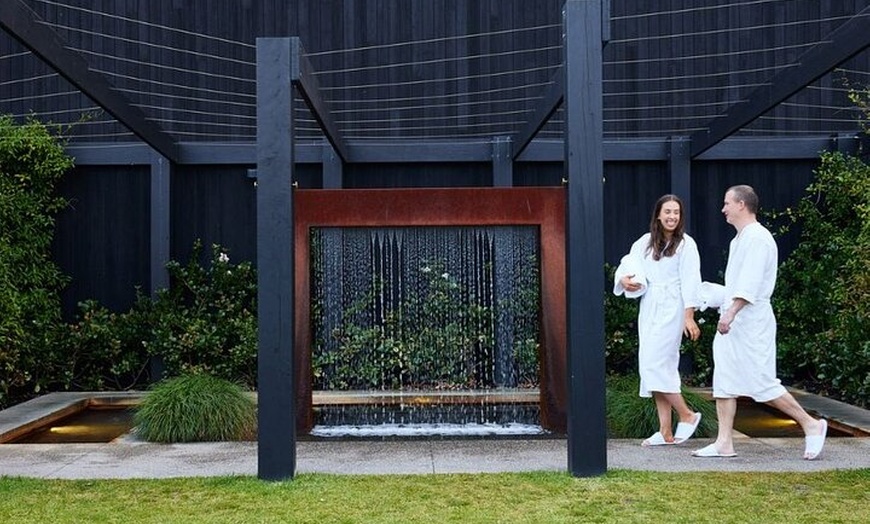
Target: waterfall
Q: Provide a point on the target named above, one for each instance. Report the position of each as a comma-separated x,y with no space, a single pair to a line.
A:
413,310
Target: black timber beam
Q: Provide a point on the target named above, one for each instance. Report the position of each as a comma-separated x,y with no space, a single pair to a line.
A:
554,94
770,148
302,76
635,150
550,102
842,44
21,23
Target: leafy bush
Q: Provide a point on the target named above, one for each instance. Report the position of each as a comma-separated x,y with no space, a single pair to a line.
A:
700,352
451,348
32,160
822,301
632,416
205,322
620,329
621,338
207,319
105,350
195,408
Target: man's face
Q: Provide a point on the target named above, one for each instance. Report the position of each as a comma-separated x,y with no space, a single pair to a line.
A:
731,208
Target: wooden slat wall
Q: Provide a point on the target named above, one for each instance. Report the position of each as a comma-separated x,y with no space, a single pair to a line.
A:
216,204
102,237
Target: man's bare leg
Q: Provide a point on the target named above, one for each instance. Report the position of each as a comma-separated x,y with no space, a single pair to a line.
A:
788,405
726,409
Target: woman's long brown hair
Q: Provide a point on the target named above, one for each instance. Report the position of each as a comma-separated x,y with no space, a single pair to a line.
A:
658,242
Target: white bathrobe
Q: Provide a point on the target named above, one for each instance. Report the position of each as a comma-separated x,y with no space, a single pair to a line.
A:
672,286
744,360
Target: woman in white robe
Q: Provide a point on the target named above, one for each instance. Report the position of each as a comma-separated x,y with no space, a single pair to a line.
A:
664,269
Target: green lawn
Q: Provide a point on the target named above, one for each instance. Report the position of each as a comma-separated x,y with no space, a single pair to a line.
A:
618,496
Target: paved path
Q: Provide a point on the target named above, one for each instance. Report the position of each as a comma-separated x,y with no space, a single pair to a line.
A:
132,459
129,458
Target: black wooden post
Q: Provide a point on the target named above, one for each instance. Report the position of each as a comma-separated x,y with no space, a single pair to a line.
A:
161,171
502,162
847,144
584,164
680,168
160,174
333,168
276,458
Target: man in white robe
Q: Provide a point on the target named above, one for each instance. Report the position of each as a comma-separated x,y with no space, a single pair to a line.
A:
744,349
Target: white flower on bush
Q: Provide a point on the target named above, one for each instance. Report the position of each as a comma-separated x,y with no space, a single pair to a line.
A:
445,276
224,258
426,269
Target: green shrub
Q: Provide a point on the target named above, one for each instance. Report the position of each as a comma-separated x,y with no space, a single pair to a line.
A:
620,329
700,352
32,161
822,301
195,408
207,319
452,348
632,416
206,322
621,339
105,350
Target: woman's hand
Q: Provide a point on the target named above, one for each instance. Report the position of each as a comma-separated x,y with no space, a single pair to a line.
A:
691,329
628,284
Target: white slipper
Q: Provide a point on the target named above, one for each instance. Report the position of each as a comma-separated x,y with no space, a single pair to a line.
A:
656,439
711,452
685,430
815,443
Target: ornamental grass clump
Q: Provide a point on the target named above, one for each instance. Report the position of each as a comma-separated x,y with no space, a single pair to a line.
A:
196,408
632,416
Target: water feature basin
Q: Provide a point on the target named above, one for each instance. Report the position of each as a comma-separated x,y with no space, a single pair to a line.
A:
113,411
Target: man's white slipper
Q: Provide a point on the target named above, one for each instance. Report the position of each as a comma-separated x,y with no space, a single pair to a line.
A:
711,452
815,443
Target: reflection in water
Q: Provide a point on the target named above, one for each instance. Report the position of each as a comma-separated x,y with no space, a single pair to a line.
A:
90,425
762,421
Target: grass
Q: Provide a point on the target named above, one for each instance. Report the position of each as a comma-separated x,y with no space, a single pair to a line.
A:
195,408
618,496
632,416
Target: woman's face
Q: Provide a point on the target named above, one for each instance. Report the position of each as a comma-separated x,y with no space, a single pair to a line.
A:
669,216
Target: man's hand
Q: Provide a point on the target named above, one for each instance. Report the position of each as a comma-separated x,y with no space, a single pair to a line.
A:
724,325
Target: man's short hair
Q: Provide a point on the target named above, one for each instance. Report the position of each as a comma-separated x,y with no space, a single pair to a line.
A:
745,194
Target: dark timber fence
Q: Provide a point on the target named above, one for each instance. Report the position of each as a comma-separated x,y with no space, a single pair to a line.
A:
103,236
106,237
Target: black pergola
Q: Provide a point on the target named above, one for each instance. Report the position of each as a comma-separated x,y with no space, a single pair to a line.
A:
565,122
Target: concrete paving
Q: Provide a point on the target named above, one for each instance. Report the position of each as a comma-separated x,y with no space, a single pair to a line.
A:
127,458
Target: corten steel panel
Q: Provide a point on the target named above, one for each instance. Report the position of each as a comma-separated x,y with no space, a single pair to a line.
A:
544,207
